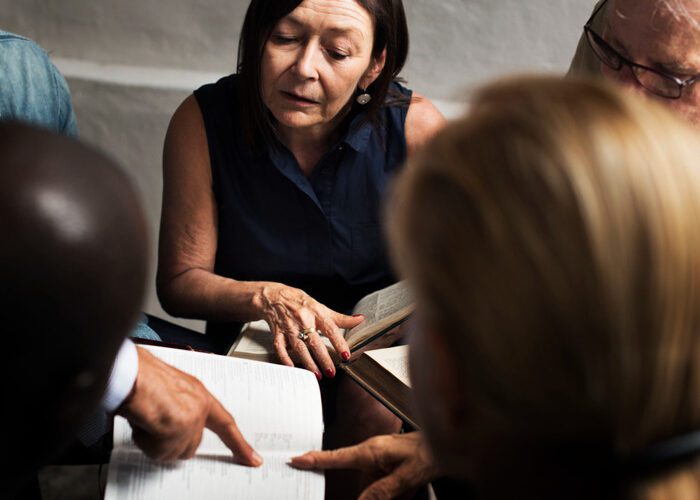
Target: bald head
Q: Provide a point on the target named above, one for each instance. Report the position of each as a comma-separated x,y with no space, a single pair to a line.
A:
72,268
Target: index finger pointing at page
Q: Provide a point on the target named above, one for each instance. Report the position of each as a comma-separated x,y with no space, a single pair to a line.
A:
222,423
352,457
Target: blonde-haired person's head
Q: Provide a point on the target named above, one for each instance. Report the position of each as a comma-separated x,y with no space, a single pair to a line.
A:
553,240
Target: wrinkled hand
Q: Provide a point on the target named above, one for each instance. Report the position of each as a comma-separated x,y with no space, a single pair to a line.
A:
401,460
168,410
289,311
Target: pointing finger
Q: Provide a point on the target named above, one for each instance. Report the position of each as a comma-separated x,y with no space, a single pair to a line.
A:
222,423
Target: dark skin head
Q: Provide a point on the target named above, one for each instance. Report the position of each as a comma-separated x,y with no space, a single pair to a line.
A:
73,260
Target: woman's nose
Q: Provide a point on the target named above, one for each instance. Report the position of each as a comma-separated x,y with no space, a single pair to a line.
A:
305,64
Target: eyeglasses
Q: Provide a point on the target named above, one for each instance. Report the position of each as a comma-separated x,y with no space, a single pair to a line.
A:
657,82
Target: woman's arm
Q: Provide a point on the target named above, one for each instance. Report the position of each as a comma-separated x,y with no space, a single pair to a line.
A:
186,283
423,120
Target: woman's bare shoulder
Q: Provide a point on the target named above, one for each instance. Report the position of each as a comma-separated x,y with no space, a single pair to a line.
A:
186,140
422,122
188,116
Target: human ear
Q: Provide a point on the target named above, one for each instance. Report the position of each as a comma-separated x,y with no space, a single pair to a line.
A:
375,69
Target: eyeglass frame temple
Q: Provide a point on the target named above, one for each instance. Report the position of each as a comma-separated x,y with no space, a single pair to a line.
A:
590,19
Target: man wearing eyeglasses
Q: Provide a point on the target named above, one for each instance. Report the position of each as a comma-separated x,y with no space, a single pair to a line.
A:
650,46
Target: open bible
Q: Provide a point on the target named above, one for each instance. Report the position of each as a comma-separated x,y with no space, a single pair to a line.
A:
383,310
278,410
384,374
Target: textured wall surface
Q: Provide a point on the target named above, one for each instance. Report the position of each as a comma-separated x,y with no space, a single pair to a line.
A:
130,62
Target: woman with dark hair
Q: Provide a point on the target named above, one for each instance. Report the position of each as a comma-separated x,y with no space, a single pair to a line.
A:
274,176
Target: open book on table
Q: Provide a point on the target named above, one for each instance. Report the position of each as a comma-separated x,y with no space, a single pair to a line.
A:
384,374
383,310
278,410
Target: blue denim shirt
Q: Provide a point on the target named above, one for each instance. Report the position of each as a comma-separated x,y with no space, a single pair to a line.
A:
31,88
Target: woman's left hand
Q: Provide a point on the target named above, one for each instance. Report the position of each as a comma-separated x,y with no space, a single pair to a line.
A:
401,461
298,322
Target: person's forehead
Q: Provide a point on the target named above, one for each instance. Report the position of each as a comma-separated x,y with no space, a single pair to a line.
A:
340,16
661,29
657,19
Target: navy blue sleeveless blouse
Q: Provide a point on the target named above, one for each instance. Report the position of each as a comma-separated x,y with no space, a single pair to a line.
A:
320,233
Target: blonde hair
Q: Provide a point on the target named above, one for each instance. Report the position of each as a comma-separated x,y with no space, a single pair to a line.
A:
553,240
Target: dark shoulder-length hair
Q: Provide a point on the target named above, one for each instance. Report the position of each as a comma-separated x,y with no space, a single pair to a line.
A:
390,33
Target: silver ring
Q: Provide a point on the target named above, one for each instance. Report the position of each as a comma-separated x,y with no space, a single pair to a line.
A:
306,332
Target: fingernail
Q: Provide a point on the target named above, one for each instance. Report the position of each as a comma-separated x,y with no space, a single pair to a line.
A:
318,375
358,315
345,355
257,459
330,373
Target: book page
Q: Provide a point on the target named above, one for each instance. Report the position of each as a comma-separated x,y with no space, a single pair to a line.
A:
277,408
380,309
133,476
394,360
255,342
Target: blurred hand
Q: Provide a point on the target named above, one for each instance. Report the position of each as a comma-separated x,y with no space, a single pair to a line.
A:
289,311
168,410
400,460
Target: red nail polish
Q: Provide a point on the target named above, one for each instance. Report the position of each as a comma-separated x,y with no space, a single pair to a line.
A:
345,355
330,373
318,375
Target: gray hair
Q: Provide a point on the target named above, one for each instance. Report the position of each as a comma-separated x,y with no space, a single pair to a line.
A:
679,9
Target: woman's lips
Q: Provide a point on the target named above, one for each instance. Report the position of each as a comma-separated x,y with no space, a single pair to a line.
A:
298,99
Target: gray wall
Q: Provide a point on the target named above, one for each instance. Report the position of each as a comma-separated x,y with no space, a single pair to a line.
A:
129,63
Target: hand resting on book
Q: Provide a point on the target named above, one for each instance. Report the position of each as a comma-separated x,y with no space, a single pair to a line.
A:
400,463
168,410
290,311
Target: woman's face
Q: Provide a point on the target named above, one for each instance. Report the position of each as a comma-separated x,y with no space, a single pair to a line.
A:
314,60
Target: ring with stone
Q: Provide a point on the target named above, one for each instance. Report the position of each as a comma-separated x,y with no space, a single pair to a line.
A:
304,334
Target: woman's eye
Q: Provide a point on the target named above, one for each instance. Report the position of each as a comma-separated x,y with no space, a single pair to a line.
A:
284,39
338,56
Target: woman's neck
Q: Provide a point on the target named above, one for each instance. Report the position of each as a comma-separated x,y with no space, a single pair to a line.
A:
308,145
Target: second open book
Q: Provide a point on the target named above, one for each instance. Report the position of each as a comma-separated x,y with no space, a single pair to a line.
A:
383,310
381,372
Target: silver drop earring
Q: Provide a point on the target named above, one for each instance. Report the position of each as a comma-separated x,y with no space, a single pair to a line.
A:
363,98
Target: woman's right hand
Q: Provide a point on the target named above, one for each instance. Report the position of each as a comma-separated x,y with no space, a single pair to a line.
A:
293,315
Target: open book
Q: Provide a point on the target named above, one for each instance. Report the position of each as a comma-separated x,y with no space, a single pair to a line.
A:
278,410
383,310
384,374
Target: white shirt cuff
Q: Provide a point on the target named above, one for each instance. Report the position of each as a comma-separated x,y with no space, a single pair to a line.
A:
122,378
